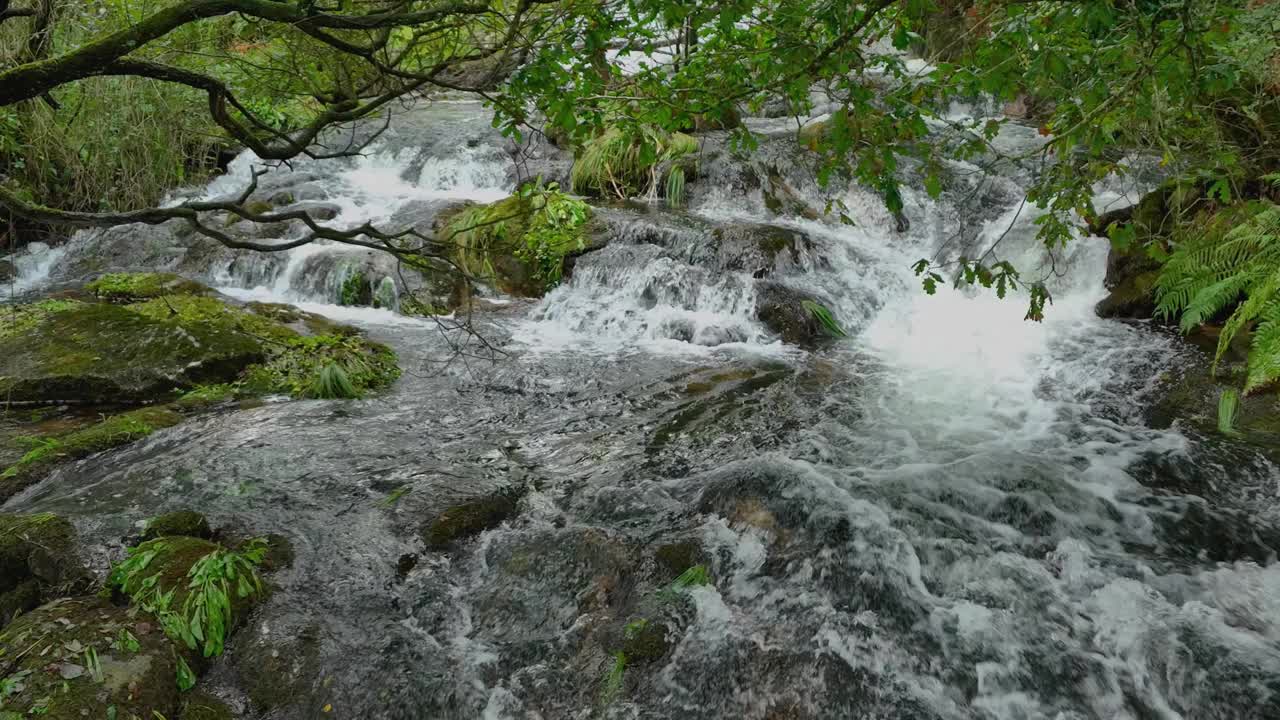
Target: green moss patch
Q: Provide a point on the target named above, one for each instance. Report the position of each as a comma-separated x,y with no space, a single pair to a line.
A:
183,523
78,657
131,287
112,432
17,319
519,244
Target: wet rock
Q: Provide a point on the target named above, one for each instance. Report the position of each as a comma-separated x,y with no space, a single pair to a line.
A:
93,656
279,555
203,706
761,250
469,519
1131,278
674,558
186,523
316,210
37,561
99,353
783,310
277,672
8,271
645,641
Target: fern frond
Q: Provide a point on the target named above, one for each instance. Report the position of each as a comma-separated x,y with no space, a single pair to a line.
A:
1208,301
1260,296
1264,351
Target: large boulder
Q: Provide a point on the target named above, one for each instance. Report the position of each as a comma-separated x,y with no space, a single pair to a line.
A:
100,353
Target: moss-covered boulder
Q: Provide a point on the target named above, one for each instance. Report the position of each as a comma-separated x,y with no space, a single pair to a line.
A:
97,353
111,432
469,518
77,658
37,560
132,287
519,244
184,523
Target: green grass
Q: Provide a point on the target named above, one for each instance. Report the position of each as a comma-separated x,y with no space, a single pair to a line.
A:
627,162
1228,411
825,319
333,383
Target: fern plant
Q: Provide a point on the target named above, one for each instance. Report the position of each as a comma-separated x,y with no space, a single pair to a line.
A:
1209,272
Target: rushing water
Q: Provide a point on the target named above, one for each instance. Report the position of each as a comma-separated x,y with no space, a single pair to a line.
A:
954,513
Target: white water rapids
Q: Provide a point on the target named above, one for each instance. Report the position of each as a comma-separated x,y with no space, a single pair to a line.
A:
958,523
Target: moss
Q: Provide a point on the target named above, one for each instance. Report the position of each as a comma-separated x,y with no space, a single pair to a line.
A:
356,290
101,353
193,311
132,287
17,319
294,366
469,519
519,244
644,641
37,560
73,658
112,432
675,558
187,523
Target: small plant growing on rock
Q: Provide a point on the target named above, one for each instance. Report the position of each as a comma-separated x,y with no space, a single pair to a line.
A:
824,318
214,580
333,383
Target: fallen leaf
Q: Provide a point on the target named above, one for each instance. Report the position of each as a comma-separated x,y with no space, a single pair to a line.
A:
70,671
328,708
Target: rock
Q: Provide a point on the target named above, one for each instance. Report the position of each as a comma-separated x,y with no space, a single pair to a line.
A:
186,523
761,250
99,660
203,706
674,558
316,210
127,288
783,310
468,519
645,641
8,271
37,561
98,353
112,432
278,671
1131,278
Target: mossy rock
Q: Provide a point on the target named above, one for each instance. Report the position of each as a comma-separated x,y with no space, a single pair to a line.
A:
645,641
112,432
203,706
786,311
171,560
37,560
77,657
469,519
495,243
100,353
185,523
131,287
674,558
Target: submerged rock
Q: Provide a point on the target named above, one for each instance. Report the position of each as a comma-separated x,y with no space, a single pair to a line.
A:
468,519
203,706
